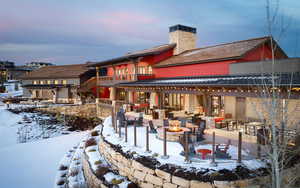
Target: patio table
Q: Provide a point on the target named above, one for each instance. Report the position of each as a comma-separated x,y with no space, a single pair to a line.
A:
192,126
254,126
204,152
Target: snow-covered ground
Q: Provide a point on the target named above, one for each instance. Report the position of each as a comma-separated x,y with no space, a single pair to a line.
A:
174,149
30,165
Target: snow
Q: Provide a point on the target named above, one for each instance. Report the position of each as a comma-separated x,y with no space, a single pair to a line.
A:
30,165
34,164
8,127
173,150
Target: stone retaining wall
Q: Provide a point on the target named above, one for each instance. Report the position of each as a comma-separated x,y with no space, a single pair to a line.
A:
86,110
91,179
144,176
155,178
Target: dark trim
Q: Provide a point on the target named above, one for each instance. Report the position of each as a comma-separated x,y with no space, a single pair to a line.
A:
47,78
198,62
47,86
130,57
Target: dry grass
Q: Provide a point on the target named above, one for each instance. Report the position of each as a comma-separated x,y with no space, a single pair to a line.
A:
90,142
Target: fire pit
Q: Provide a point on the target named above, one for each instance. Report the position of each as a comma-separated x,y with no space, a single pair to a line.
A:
174,131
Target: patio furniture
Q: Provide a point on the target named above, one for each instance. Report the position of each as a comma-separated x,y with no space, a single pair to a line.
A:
192,126
191,148
152,129
263,136
202,126
183,122
221,151
121,117
154,114
166,123
220,124
204,152
139,121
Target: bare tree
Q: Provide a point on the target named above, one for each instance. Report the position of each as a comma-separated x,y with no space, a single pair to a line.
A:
277,106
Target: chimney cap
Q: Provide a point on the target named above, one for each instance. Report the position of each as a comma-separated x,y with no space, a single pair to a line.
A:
182,28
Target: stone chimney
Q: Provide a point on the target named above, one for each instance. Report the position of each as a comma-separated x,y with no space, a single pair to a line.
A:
184,37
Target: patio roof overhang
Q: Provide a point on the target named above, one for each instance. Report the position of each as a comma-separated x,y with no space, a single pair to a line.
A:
254,85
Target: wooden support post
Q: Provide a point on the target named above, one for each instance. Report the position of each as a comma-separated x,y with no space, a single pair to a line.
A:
240,148
113,118
147,139
165,144
258,147
126,133
213,162
134,134
282,133
186,147
227,125
119,124
246,128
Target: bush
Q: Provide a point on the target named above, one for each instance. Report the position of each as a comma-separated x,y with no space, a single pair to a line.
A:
132,185
116,181
60,182
97,162
90,142
101,170
74,172
95,133
63,167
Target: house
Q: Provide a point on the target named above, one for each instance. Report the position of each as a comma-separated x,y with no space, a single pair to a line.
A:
36,65
58,84
214,80
9,72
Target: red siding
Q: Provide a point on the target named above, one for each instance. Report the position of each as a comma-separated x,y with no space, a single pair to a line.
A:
145,61
261,53
103,92
213,68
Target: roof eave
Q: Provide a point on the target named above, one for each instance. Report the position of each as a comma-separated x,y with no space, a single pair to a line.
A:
129,57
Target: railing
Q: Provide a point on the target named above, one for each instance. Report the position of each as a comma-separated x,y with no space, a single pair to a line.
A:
107,80
105,101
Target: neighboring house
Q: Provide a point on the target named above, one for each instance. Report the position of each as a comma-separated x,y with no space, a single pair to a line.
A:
9,71
180,76
37,65
58,84
13,88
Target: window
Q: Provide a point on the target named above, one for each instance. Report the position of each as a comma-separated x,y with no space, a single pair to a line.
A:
64,82
149,70
55,81
144,70
49,82
35,82
42,82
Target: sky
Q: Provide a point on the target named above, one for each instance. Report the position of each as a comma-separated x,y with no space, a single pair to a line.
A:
77,31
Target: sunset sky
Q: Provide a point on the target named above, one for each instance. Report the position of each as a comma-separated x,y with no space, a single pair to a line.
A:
76,31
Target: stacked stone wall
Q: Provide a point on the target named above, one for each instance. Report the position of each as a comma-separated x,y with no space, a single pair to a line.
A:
156,178
86,110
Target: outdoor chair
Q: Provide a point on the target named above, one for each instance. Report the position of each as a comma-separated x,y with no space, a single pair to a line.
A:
121,117
191,148
139,121
221,151
166,123
183,122
152,129
202,126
